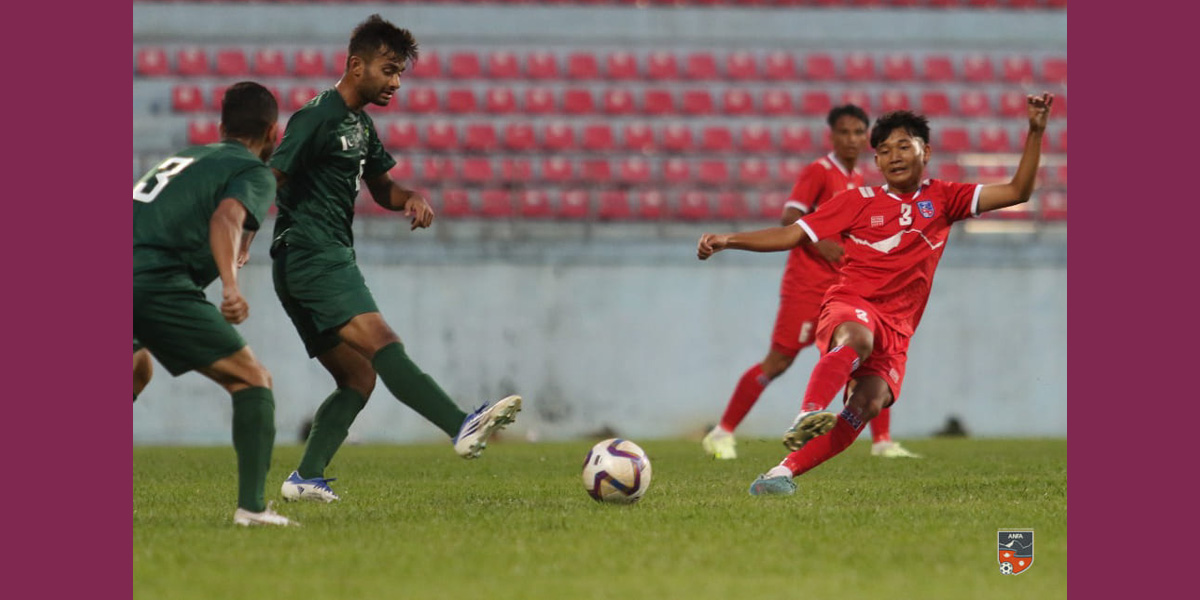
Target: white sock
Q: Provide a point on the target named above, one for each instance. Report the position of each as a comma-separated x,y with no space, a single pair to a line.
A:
779,471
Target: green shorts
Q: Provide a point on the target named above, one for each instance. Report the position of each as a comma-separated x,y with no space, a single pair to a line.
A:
182,329
321,290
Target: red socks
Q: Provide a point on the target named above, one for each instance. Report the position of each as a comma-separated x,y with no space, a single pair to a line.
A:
881,427
825,447
829,375
748,389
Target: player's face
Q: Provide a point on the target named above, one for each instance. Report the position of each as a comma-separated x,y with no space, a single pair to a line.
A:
902,158
381,78
849,136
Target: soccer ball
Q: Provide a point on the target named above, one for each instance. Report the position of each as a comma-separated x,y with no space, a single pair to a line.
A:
616,471
1006,568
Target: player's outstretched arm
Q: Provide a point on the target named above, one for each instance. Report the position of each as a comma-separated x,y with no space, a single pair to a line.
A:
390,195
1020,188
225,239
771,239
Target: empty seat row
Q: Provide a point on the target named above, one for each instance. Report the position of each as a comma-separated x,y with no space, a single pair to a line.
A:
618,65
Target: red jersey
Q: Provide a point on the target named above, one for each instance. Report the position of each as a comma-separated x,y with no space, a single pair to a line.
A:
818,182
893,243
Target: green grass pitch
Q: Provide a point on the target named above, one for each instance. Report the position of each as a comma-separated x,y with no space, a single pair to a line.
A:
418,522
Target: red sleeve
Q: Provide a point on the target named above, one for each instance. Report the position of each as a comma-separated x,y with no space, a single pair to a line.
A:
834,216
807,190
962,200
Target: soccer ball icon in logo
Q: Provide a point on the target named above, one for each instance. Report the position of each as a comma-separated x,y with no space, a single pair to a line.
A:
1006,568
616,471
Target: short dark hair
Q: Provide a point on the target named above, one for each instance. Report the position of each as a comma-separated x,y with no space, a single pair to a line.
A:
248,110
376,34
847,110
916,126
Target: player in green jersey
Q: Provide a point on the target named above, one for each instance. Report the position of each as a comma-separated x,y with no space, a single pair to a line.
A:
189,213
329,145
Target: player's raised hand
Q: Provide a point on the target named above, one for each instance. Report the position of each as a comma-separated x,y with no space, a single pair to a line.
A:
1039,110
418,209
234,307
710,244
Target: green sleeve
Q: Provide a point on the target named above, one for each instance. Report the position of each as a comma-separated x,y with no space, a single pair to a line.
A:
255,189
378,159
303,141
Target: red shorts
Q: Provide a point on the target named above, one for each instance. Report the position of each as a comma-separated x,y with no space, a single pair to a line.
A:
889,355
796,323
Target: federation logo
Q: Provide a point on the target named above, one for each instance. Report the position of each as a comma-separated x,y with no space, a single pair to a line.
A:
926,208
1014,550
877,221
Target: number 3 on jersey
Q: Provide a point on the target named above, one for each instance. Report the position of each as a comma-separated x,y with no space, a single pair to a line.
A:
145,190
906,214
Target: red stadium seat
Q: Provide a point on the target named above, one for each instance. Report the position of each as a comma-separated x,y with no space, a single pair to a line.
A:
578,101
898,67
557,136
621,65
596,170
428,66
598,137
480,137
401,135
994,139
464,65
1054,206
541,65
582,65
538,101
737,101
819,67
948,171
496,204
1012,104
661,64
618,101
677,138
1054,69
858,98
816,104
974,103
203,132
977,68
753,171
860,66
658,101
701,66
780,66
1062,141
437,169
460,100
500,101
989,174
441,135
754,138
713,172
952,139
740,65
935,104
716,138
519,137
731,206
151,61
651,205
891,100
299,96
574,204
557,169
269,62
676,171
638,137
1060,107
614,206
634,170
402,171
776,102
516,170
456,203
534,204
187,98
191,62
795,139
337,66
1017,69
422,100
503,64
697,102
476,169
309,63
231,62
789,170
694,206
938,67
770,205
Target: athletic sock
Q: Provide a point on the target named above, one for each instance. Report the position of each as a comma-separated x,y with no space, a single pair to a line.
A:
253,439
825,447
828,376
330,426
748,389
881,427
416,389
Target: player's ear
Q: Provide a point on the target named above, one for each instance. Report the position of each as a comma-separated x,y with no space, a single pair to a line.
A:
221,130
272,135
355,65
927,151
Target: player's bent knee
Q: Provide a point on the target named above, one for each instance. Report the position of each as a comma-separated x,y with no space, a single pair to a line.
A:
775,364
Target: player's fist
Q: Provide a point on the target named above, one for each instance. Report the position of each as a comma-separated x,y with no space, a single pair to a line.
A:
710,244
234,307
1039,110
418,210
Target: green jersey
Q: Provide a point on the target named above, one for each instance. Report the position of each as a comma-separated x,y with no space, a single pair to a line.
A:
326,149
174,202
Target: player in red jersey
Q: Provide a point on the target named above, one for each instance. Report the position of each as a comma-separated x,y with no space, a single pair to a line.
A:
894,236
810,270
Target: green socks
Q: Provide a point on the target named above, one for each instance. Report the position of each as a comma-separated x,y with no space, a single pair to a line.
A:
416,389
253,438
330,426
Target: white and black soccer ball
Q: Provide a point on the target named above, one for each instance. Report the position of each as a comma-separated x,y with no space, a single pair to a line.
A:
1006,568
616,471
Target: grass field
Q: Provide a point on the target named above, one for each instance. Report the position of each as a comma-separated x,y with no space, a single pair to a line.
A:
418,522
